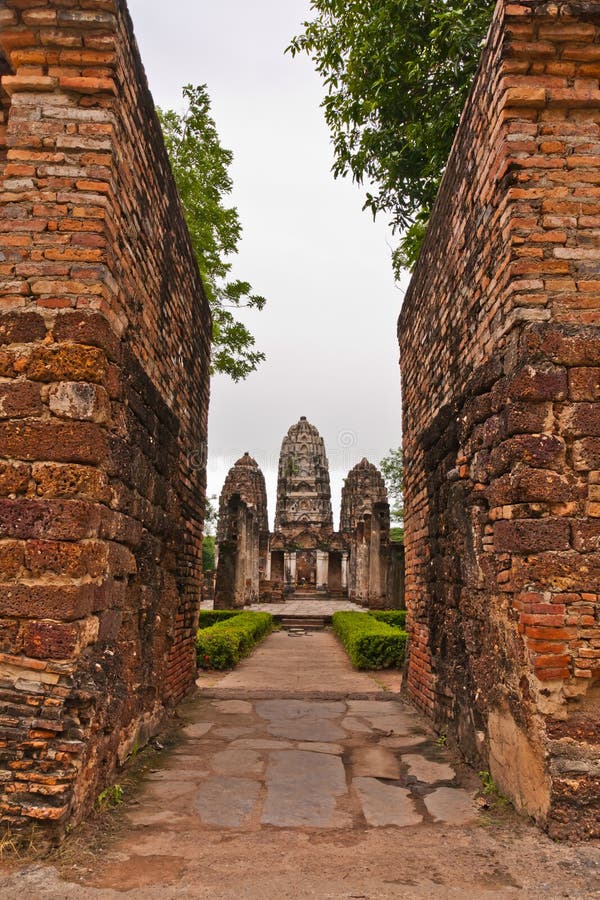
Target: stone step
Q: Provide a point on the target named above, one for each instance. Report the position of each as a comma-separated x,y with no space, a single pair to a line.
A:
306,623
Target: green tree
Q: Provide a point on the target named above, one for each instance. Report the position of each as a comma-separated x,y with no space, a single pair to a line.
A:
201,169
211,515
208,553
392,468
397,74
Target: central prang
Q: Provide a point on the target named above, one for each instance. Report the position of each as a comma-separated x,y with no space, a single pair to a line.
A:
303,542
303,489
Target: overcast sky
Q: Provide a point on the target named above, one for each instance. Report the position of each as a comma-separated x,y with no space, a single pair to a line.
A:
329,329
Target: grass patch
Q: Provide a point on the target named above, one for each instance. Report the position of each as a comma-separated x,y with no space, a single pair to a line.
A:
223,645
394,617
369,642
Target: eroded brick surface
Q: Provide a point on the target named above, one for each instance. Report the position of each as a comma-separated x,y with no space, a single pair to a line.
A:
104,367
500,349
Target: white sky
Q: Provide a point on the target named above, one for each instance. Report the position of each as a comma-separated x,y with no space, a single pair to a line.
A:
329,329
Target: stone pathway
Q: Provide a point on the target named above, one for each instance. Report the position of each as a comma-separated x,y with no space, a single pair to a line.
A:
314,661
297,777
312,764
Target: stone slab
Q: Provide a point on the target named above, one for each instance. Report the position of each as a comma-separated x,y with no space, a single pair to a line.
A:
355,725
302,720
398,724
306,730
316,747
297,709
226,802
427,770
233,707
386,804
197,729
375,762
452,806
302,790
237,761
261,744
231,733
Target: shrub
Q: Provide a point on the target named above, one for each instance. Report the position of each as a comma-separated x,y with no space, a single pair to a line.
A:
394,617
210,617
221,646
370,644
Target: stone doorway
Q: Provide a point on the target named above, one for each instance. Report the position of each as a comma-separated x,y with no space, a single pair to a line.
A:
335,572
277,566
306,568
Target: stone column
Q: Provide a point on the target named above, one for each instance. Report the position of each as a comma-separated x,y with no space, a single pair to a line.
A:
361,563
322,570
345,570
268,564
374,591
289,567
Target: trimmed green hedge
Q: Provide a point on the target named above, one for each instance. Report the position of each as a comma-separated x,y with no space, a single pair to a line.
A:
370,644
210,617
394,617
223,645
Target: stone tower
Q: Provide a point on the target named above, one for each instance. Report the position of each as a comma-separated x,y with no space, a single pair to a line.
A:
242,535
247,480
303,489
363,488
365,524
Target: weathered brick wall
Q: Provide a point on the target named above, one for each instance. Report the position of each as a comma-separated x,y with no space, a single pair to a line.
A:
500,357
104,379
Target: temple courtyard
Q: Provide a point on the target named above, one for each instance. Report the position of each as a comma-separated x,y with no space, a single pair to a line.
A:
296,776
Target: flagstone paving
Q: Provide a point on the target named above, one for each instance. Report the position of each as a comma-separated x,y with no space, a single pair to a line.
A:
322,793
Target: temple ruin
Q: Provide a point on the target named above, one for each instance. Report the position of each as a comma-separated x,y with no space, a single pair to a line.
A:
242,535
365,522
304,556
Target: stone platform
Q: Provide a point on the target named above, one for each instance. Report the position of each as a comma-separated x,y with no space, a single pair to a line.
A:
307,607
302,606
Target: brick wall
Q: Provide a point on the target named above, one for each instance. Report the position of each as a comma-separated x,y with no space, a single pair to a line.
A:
104,379
500,357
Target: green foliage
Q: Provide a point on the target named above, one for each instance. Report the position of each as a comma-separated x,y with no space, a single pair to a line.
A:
397,535
392,469
201,169
208,553
210,617
492,792
224,644
394,617
397,74
370,644
110,797
211,515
